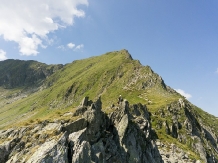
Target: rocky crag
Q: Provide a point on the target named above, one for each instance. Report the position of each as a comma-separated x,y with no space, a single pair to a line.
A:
95,137
123,135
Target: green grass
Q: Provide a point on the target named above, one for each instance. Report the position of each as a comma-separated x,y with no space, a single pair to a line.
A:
108,76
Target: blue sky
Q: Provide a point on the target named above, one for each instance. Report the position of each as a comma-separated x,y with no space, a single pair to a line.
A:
178,39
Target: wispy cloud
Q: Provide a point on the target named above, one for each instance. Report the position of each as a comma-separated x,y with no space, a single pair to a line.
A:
62,47
78,47
2,55
28,23
183,93
71,45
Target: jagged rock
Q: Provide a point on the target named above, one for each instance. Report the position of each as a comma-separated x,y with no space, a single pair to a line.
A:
95,118
124,135
196,127
139,110
173,130
167,129
80,111
199,148
120,120
51,151
181,102
6,149
76,125
116,139
84,101
188,125
82,153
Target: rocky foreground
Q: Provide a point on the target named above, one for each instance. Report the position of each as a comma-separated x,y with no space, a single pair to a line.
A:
123,135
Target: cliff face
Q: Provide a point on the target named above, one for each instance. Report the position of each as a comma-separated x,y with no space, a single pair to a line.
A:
155,125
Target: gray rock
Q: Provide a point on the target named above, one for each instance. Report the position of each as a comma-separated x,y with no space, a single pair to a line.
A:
82,153
199,148
80,111
124,135
84,102
173,129
51,151
76,125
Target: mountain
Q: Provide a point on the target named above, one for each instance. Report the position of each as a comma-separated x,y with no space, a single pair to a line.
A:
71,113
16,73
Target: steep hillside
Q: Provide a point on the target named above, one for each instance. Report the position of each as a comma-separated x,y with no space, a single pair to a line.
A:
155,120
108,75
18,80
17,73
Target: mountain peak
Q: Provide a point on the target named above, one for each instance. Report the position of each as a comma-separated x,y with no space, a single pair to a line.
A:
125,52
118,130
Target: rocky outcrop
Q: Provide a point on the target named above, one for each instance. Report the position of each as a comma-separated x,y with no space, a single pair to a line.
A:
120,136
51,151
180,121
125,134
173,154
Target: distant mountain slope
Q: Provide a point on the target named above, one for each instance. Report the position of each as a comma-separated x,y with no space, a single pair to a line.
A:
175,128
17,73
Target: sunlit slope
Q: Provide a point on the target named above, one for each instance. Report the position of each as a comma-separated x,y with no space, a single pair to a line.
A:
108,76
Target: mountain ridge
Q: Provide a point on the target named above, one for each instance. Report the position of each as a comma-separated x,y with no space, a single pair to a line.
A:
172,122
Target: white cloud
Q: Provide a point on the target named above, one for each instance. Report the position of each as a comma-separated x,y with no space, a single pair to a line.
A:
71,45
2,55
78,47
62,47
29,22
183,93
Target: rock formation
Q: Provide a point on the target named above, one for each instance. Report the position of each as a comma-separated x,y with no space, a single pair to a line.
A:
123,135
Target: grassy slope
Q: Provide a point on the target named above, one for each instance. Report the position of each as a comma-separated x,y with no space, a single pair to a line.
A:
107,76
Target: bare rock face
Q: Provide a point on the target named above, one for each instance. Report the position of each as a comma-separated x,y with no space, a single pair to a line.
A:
118,137
51,151
6,149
